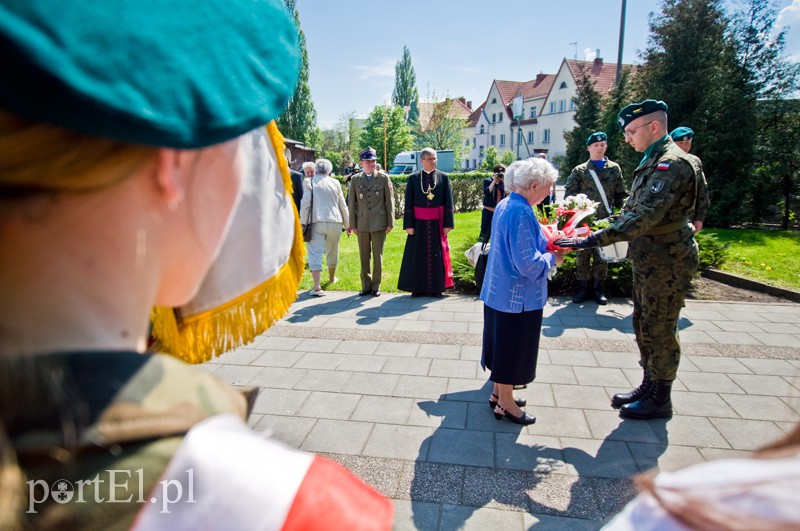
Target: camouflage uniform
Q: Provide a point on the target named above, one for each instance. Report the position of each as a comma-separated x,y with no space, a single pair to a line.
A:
581,181
663,252
702,203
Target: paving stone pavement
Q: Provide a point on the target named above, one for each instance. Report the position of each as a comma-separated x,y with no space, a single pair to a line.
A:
391,387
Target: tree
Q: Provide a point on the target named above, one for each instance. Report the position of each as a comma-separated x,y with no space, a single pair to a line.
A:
443,130
691,62
507,158
405,81
299,118
587,121
491,160
618,150
386,131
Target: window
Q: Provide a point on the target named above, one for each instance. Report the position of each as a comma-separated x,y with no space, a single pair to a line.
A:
466,164
499,117
491,140
552,106
466,142
533,111
546,139
474,163
572,105
480,151
483,130
494,117
563,85
494,100
502,140
530,137
474,141
519,136
562,105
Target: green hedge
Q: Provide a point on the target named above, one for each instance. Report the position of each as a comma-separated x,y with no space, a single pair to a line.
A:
713,254
467,191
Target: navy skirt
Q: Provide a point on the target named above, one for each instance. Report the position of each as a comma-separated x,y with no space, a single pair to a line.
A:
511,345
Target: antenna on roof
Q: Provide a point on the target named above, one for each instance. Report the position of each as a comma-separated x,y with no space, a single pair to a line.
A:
575,44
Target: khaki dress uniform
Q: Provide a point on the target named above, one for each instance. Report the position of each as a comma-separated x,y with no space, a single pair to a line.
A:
371,207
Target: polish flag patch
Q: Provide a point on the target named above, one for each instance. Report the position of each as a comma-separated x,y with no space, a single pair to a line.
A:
663,166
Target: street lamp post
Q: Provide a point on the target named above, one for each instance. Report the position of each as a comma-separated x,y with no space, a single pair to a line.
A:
621,41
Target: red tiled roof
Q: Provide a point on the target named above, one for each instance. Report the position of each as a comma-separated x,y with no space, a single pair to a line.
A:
508,89
457,109
603,74
472,121
537,88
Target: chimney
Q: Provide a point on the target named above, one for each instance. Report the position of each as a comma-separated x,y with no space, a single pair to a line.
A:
469,105
540,78
598,61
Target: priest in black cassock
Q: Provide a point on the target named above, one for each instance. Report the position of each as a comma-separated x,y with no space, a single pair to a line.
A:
428,217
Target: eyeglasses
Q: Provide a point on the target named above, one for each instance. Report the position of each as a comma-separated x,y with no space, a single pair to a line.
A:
630,132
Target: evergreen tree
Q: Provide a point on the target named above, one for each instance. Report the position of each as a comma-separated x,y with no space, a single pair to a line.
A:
587,121
405,81
299,119
618,150
691,62
386,131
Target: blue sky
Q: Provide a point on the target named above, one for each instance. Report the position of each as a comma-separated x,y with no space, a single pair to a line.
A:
459,47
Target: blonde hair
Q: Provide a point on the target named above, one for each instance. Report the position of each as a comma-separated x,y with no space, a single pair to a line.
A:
39,157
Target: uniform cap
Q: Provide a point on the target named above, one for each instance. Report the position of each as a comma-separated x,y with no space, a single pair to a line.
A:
682,133
368,154
635,110
181,74
599,136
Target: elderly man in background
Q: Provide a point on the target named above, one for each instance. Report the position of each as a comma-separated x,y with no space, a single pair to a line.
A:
662,251
371,204
682,136
428,217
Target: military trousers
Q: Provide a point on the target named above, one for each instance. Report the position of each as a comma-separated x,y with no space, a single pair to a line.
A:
589,265
659,291
370,246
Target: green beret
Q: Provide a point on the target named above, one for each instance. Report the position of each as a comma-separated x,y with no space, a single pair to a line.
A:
599,136
180,73
635,110
682,133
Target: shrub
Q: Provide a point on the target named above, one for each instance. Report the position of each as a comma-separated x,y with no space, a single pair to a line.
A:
713,253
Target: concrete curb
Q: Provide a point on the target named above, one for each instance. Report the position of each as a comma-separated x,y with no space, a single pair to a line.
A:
746,283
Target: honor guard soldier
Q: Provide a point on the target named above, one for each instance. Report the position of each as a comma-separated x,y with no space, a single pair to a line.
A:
682,136
601,180
371,205
663,253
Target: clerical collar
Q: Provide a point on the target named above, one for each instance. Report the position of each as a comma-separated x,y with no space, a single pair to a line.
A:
428,172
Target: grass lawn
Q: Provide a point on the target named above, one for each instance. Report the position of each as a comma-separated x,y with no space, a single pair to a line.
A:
768,256
348,271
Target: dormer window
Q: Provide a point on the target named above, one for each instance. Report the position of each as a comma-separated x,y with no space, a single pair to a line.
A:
482,129
563,85
494,100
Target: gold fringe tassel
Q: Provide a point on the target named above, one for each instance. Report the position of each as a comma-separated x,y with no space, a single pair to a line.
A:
199,338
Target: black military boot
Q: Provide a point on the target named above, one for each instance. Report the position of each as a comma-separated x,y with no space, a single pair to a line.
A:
583,292
599,298
620,399
655,404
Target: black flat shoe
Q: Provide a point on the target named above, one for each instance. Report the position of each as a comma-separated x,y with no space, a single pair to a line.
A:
523,419
365,292
376,293
521,402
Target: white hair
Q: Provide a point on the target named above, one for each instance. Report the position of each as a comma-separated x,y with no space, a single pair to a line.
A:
308,164
324,166
534,172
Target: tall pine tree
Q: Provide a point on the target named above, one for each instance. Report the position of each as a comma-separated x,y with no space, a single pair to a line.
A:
405,81
299,120
619,151
691,62
587,121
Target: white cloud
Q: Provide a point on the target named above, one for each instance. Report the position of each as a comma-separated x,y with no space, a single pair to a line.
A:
385,69
589,54
789,14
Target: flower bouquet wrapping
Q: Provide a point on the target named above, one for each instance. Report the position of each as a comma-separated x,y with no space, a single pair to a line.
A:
564,219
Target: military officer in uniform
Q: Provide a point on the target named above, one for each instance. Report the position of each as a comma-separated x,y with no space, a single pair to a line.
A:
582,180
682,136
371,205
656,220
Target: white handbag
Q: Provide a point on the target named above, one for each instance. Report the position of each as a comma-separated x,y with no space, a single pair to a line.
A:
616,252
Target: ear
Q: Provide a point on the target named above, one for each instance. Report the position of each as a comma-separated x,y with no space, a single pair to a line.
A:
170,171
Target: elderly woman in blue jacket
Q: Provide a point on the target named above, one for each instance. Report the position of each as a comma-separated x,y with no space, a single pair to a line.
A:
515,287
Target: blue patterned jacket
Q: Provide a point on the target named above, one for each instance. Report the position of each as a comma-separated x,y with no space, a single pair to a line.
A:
516,273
